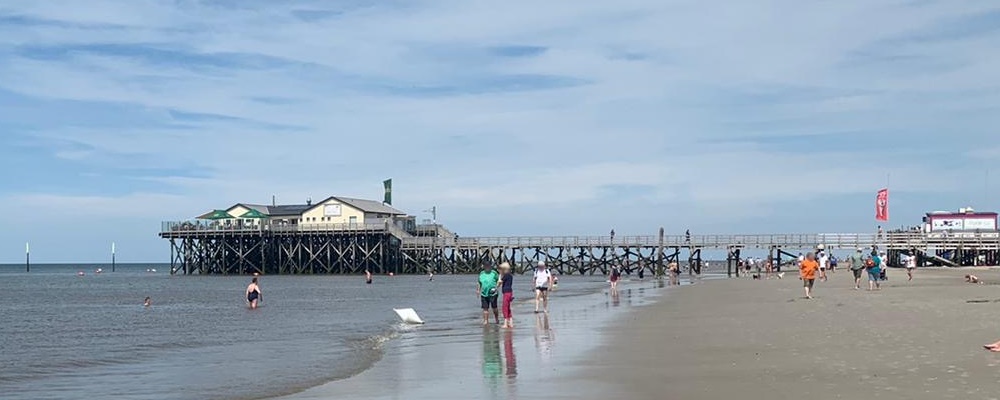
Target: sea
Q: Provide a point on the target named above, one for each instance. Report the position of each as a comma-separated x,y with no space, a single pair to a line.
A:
67,331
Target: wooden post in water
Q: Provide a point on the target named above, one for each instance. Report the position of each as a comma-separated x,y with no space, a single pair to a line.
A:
112,256
659,256
27,257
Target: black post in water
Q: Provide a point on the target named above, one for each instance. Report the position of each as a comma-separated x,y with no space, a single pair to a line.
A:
27,257
112,262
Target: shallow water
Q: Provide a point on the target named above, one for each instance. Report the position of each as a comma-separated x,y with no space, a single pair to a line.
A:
90,337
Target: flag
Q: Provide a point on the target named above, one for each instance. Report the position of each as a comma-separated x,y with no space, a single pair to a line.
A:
388,191
882,205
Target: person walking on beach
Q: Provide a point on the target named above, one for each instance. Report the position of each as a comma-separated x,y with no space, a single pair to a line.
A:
874,265
616,274
542,281
675,273
911,264
857,264
253,294
807,271
824,263
488,281
507,291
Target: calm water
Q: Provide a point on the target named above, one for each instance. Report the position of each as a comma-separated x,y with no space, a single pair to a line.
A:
65,336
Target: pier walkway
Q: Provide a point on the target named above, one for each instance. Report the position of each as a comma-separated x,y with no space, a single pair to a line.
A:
384,248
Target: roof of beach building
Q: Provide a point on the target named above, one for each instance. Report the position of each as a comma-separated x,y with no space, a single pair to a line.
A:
284,210
369,206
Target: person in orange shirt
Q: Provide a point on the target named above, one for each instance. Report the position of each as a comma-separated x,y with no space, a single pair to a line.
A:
807,271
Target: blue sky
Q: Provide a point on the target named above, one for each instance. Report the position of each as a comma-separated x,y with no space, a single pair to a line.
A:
513,118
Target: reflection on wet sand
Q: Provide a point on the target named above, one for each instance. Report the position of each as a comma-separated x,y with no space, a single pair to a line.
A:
492,365
544,337
616,299
509,356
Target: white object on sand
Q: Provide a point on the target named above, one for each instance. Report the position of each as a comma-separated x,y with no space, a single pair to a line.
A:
408,316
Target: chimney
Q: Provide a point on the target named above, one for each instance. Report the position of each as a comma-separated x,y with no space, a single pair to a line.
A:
274,201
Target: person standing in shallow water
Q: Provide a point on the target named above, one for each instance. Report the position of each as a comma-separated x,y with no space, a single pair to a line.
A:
616,274
488,281
507,291
807,271
368,277
543,281
253,293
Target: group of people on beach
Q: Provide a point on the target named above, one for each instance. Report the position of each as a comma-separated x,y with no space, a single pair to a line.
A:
494,285
814,265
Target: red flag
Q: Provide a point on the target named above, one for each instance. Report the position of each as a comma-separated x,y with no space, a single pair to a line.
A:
882,205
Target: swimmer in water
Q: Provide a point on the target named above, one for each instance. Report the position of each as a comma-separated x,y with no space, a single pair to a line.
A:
148,302
253,293
368,277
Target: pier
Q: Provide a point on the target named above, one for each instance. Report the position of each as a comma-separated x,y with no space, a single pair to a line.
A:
385,247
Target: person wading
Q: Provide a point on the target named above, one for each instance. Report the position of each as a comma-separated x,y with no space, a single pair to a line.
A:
488,281
543,281
253,293
507,290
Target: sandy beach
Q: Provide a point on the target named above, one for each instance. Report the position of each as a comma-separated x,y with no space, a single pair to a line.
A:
762,340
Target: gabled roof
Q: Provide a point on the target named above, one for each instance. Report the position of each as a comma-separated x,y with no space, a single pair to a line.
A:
368,206
295,210
286,210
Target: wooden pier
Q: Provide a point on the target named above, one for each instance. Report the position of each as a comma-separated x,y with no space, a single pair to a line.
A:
385,248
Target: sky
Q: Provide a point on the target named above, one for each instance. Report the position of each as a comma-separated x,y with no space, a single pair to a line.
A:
512,118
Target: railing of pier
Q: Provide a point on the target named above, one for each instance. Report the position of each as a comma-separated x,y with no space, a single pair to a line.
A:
702,241
185,227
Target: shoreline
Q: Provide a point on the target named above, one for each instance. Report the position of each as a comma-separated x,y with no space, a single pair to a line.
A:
471,361
737,338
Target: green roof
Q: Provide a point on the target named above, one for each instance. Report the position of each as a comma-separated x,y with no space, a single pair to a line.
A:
254,214
215,215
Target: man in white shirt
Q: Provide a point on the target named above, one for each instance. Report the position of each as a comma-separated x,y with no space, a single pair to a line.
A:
824,263
911,264
543,281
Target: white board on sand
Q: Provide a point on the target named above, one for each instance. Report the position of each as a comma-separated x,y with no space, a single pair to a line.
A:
408,316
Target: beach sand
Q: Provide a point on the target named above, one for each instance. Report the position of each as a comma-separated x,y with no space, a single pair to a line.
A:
742,339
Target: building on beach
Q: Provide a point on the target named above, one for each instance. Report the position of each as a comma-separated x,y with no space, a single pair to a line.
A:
333,211
965,220
332,214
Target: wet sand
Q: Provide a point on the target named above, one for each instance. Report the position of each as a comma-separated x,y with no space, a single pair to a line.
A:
742,339
475,362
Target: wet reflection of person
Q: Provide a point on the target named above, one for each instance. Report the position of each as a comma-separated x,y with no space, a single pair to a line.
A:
492,363
510,359
544,337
